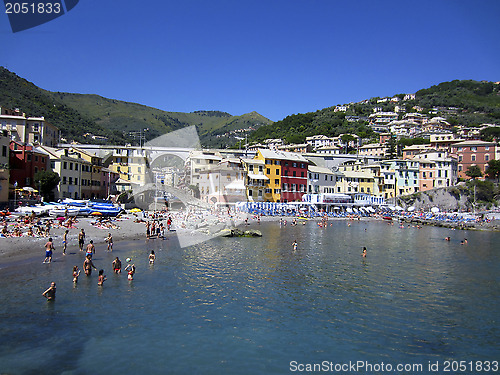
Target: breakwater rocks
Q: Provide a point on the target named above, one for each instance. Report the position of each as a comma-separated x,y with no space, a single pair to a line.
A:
493,225
235,232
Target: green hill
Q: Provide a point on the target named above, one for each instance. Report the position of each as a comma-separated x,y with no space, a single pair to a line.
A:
77,114
466,102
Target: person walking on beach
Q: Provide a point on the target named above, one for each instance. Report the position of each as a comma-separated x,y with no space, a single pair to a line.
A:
50,293
148,224
81,239
90,249
117,265
109,240
65,241
87,265
101,278
49,247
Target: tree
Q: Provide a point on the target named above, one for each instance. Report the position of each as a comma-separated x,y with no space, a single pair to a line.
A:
493,169
47,181
392,151
474,172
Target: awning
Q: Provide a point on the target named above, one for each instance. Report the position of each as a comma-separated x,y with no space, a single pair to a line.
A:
236,185
258,176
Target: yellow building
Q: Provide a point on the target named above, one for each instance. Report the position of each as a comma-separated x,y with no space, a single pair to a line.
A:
355,178
272,170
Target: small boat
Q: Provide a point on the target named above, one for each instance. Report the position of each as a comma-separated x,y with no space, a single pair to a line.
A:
39,210
63,210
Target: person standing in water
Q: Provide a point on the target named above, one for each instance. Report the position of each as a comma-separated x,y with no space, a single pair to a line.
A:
101,278
131,271
65,241
50,293
363,254
117,266
90,249
152,257
294,244
109,240
81,239
49,247
87,265
76,273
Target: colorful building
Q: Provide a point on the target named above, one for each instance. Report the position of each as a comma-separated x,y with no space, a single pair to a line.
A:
469,153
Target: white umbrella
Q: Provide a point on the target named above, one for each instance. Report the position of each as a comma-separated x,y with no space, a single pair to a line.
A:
411,209
434,209
399,208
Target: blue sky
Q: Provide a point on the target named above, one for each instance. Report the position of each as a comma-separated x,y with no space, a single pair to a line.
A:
276,57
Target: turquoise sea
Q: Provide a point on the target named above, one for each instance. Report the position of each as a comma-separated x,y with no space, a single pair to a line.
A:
254,306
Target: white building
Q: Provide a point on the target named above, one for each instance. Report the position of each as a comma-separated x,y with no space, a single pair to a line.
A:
320,180
319,141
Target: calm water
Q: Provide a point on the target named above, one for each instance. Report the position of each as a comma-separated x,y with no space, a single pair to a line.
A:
252,305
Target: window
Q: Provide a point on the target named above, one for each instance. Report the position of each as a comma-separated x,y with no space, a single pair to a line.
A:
269,191
276,181
4,150
277,172
250,193
487,148
277,191
65,165
261,168
460,168
70,166
260,192
294,174
29,157
473,158
302,174
36,169
486,157
64,180
76,167
36,157
268,170
70,181
76,181
473,148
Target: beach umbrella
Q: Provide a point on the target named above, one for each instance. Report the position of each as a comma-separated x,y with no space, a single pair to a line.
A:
434,210
133,210
411,209
96,213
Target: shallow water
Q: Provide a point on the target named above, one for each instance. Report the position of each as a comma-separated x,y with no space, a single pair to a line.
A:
253,305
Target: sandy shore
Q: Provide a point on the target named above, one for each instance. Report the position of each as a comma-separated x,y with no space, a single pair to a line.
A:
19,248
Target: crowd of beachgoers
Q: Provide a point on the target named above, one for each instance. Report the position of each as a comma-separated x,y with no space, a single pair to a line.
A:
18,232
